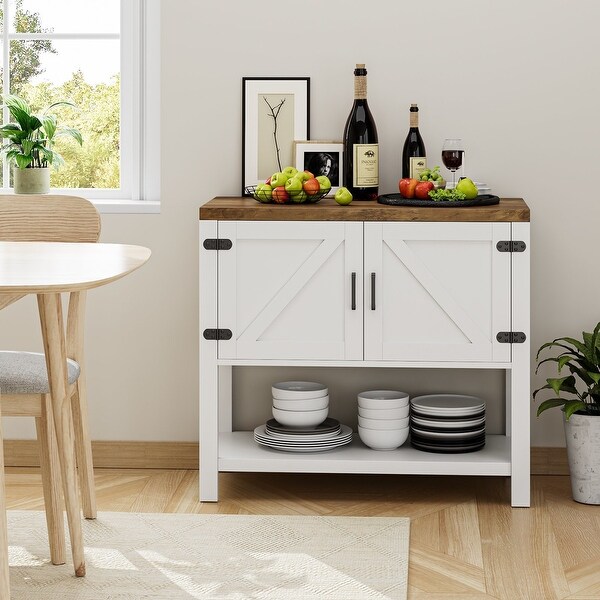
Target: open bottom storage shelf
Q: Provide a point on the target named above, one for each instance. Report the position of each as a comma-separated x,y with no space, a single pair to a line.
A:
239,452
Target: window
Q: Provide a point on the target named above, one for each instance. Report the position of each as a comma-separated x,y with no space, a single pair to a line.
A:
103,56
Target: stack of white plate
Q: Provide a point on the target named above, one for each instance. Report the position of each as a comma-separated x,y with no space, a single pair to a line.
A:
300,403
327,435
448,423
383,419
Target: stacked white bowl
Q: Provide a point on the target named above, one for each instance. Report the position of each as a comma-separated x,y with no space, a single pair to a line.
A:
300,403
383,419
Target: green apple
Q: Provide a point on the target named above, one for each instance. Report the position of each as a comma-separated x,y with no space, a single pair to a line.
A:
278,179
305,175
343,196
324,183
293,187
263,193
468,188
299,197
289,171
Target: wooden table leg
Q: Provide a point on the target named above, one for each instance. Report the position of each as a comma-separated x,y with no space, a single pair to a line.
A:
4,576
53,334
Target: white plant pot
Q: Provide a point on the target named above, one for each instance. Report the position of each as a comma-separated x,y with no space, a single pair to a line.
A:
31,181
582,433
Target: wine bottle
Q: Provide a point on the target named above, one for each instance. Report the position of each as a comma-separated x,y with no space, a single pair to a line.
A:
414,157
361,151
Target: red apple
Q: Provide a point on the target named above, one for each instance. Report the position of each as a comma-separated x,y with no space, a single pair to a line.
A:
280,196
311,186
407,187
423,188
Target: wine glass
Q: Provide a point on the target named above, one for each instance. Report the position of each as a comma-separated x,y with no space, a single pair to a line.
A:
452,156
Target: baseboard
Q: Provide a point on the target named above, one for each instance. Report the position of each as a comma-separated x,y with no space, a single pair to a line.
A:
184,455
549,461
115,455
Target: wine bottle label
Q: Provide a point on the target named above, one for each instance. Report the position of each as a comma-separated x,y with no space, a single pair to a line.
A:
366,165
417,165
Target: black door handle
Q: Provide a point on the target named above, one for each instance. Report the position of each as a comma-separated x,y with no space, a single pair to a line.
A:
372,291
353,291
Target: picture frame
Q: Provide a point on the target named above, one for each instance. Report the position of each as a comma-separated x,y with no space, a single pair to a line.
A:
275,112
321,157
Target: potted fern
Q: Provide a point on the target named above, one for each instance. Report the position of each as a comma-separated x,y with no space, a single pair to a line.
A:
578,395
30,145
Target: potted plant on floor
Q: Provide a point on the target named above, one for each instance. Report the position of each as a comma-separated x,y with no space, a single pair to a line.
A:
578,395
30,144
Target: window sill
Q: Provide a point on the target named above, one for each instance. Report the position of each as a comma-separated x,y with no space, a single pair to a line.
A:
115,206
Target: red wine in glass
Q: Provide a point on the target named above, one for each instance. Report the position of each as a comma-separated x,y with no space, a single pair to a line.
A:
452,159
452,156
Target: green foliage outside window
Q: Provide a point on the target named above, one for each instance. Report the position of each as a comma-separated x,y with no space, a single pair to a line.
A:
96,114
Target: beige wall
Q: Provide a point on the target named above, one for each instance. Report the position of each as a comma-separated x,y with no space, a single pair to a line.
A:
517,80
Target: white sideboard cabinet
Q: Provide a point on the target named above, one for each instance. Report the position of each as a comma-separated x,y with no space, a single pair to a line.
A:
371,286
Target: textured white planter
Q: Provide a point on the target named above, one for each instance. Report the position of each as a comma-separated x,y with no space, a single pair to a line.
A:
583,448
31,181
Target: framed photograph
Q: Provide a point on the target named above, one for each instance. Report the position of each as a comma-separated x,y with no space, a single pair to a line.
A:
275,112
321,158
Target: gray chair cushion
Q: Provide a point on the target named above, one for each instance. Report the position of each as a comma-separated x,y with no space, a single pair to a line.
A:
25,373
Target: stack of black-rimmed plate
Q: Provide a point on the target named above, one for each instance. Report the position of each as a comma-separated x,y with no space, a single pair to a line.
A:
447,423
318,438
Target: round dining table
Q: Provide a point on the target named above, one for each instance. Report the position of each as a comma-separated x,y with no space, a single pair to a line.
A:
48,269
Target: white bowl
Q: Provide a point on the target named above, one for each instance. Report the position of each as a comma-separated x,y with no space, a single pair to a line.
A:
300,418
381,424
295,390
381,439
382,399
302,404
384,413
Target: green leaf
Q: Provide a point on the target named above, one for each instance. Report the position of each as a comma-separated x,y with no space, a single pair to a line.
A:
555,343
564,384
27,146
23,161
61,103
572,406
49,126
594,376
71,132
562,360
551,403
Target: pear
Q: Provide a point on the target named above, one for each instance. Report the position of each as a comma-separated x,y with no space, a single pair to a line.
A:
468,188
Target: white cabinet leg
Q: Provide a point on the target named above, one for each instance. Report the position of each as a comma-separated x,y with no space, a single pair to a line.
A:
209,375
520,383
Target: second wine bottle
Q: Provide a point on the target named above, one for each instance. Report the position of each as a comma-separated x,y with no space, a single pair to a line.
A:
361,150
413,155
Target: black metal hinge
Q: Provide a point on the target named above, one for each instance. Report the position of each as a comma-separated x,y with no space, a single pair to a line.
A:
217,334
217,244
511,246
511,337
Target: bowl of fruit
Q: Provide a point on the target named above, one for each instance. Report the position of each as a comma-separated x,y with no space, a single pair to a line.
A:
434,176
290,186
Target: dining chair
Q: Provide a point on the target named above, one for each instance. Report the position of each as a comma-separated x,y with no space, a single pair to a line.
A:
24,387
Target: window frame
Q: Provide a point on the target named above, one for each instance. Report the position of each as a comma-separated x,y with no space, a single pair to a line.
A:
140,106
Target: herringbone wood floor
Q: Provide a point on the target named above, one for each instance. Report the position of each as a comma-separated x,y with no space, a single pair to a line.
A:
466,542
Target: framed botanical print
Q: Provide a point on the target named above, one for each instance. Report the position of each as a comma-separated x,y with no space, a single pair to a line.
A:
275,112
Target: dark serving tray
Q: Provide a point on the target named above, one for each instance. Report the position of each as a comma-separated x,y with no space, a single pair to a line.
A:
398,200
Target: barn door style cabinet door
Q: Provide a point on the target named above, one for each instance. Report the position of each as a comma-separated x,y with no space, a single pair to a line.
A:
291,290
436,291
367,286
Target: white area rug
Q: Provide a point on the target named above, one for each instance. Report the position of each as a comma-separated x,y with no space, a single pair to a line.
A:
222,557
